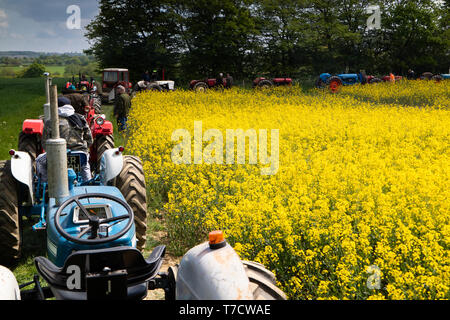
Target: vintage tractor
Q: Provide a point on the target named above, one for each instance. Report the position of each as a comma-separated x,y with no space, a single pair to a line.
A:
203,85
335,82
265,83
113,77
389,78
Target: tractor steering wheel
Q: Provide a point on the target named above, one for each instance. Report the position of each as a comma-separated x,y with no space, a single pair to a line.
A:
94,221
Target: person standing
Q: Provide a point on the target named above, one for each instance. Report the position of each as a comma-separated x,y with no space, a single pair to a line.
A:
411,74
146,76
122,106
229,80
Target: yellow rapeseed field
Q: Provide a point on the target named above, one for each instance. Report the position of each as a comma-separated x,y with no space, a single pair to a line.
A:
359,207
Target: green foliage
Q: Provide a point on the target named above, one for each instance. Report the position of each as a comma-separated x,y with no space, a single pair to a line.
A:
298,38
35,70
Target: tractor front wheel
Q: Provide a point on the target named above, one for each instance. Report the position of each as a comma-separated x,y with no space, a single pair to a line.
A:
131,183
320,84
262,282
10,235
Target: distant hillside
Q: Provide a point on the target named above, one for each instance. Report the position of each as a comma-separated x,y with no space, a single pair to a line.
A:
33,54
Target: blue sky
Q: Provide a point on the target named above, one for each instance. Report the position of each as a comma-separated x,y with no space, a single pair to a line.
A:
40,25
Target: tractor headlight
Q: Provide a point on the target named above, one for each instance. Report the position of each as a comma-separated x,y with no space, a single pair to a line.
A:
99,121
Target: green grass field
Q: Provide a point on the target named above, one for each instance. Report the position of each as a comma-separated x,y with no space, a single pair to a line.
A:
18,69
23,99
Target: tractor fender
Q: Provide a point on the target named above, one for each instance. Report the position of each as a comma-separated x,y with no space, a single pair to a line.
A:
21,169
324,77
207,273
111,165
32,126
9,289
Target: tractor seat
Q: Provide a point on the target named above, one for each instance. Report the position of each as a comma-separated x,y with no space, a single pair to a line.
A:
112,273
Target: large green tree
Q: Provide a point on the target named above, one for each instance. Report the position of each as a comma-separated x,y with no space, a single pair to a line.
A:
136,34
217,35
200,38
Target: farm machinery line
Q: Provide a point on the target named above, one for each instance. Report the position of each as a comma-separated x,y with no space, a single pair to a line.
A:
96,229
334,82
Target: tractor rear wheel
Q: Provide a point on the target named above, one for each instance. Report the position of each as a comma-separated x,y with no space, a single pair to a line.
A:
103,143
10,235
29,143
131,183
154,87
437,78
200,87
97,105
334,84
375,80
265,84
262,282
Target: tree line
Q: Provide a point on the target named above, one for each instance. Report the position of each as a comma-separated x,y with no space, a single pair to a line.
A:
298,38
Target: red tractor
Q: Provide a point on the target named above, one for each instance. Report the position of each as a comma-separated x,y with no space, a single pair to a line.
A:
388,78
112,78
264,83
203,85
102,133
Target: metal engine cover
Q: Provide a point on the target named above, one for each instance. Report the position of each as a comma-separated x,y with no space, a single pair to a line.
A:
212,274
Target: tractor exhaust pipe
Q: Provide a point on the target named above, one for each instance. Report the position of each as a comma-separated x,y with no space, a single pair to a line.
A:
48,83
58,182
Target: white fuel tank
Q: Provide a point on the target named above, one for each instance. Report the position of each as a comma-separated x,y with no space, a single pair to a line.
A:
212,272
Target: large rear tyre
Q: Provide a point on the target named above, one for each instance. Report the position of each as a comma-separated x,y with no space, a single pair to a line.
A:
131,183
29,143
103,143
200,87
437,78
265,84
154,87
97,105
262,282
375,80
334,84
10,235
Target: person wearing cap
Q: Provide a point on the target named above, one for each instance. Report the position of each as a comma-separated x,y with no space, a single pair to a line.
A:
74,129
121,107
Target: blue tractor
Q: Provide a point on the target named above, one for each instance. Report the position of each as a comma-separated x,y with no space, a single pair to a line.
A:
92,230
346,79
